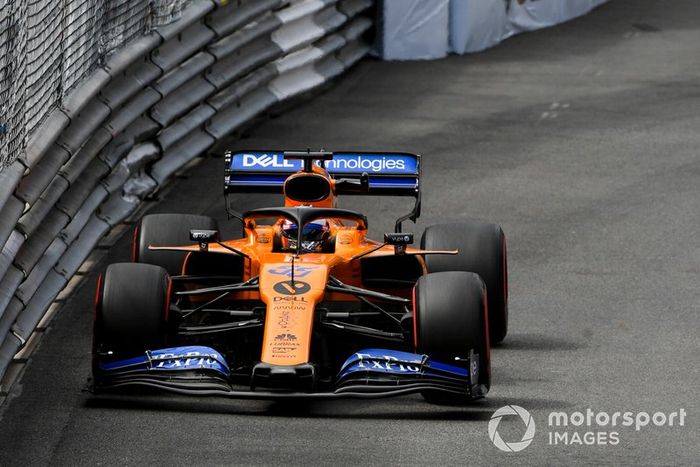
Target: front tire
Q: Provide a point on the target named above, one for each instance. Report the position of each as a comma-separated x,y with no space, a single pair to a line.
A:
450,321
131,311
482,250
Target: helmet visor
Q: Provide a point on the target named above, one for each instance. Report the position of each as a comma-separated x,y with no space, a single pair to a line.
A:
312,232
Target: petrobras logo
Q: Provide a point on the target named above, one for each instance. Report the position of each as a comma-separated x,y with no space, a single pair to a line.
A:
341,163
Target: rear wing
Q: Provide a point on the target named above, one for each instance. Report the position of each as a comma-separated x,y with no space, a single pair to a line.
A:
383,173
388,173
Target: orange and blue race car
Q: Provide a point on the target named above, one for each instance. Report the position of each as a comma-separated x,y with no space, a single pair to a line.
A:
304,305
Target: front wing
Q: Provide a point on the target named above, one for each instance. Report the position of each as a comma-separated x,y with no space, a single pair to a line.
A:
367,374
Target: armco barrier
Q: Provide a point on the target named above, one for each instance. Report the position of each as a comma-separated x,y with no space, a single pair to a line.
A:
152,107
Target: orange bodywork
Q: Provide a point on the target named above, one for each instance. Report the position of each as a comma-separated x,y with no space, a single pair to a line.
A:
292,285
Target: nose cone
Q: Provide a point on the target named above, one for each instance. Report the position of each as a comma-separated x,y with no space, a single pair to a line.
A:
291,292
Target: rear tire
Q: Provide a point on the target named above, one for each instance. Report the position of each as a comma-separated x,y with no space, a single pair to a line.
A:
482,249
131,310
450,320
167,230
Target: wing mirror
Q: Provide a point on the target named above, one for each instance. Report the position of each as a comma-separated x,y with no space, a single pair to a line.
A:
399,240
204,237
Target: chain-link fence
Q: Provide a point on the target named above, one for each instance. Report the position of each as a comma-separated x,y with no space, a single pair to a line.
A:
48,46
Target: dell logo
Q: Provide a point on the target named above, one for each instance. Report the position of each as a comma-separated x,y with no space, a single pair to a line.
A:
266,160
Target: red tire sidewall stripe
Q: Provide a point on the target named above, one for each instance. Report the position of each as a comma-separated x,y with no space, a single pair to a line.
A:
98,298
134,245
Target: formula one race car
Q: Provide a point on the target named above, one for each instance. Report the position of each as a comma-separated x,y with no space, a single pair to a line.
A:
305,305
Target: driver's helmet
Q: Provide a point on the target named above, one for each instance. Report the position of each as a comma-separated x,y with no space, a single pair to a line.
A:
313,236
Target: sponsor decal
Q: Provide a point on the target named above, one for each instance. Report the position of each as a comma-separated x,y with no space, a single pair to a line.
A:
284,344
399,363
284,318
358,163
264,238
173,359
264,161
201,234
193,361
345,239
299,271
292,287
341,163
394,238
474,370
289,299
286,314
386,363
285,337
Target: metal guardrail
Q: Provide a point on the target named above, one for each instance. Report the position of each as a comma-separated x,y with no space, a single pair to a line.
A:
153,107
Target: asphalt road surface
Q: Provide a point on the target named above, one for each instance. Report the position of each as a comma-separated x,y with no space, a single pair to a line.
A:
582,141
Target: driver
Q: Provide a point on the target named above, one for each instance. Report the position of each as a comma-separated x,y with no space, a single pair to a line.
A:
313,237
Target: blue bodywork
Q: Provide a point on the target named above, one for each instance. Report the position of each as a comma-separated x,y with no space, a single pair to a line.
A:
342,162
188,358
398,363
396,172
366,373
